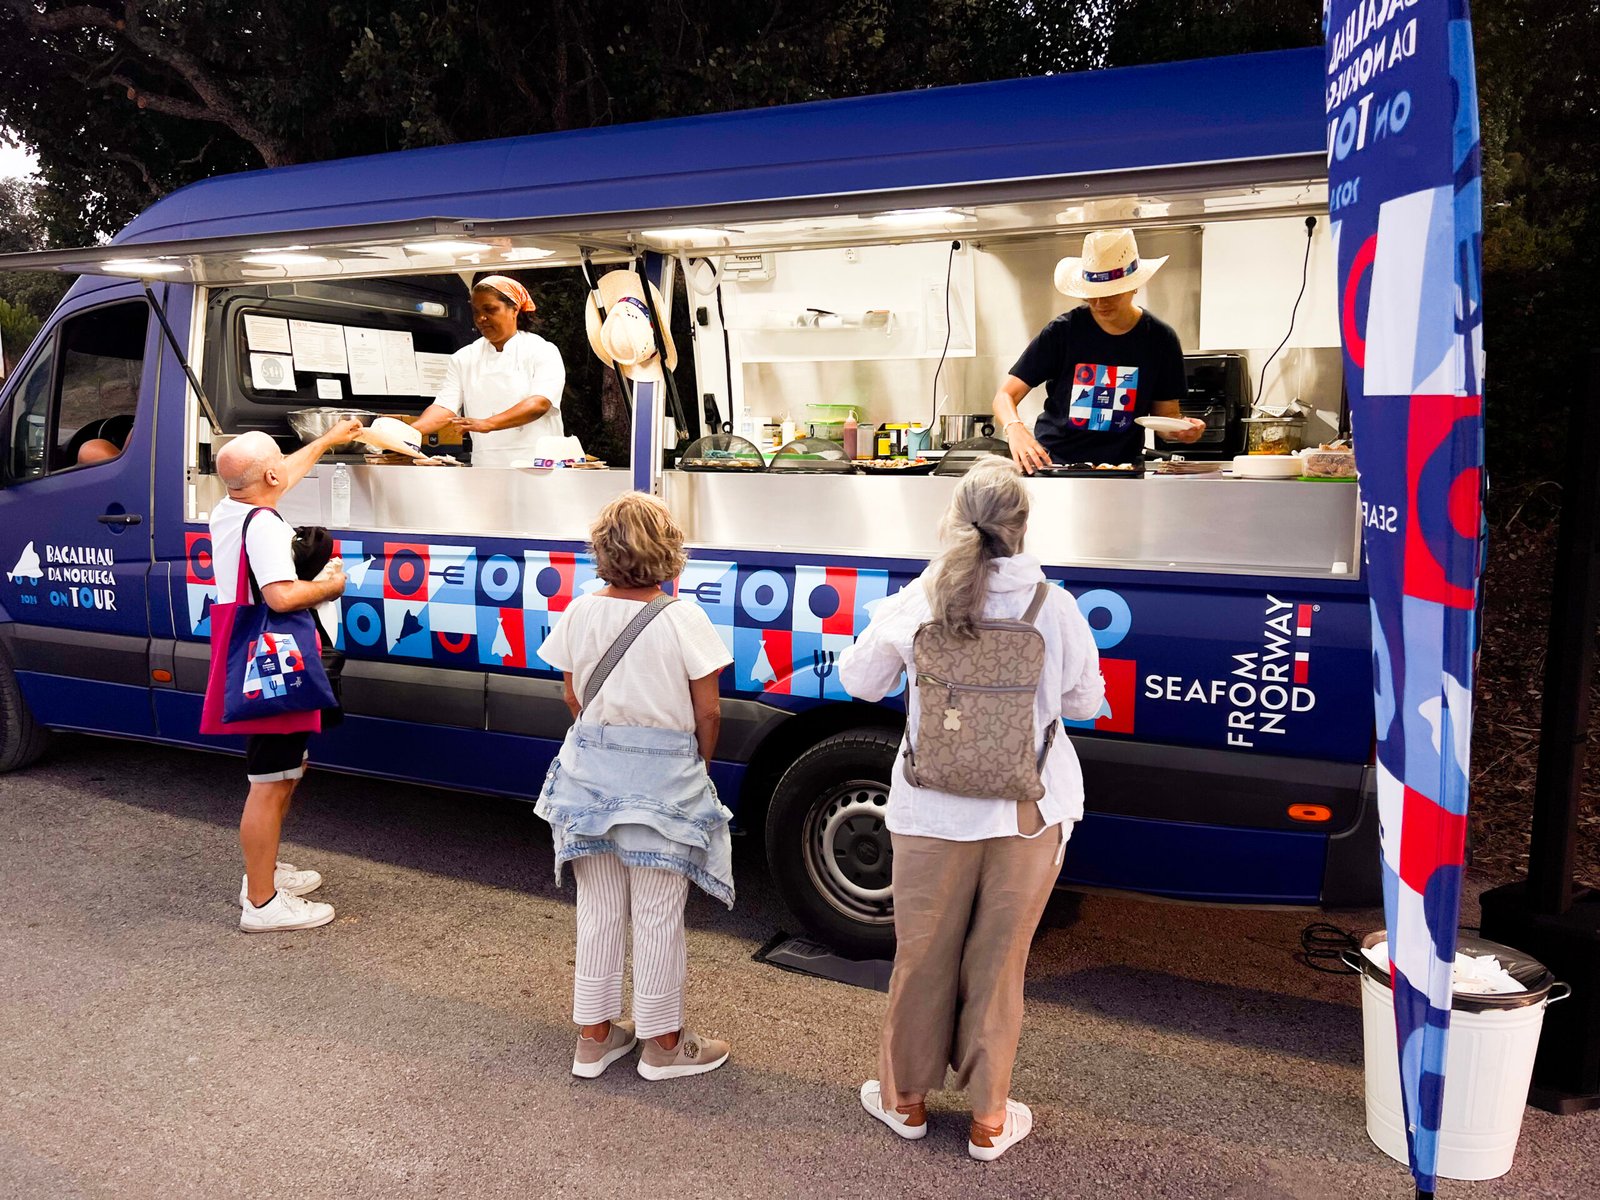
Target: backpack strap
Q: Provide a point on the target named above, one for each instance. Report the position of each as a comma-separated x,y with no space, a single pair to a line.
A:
1041,591
246,571
629,634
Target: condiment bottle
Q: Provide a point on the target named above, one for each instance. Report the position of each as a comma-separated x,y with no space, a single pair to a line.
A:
851,425
787,430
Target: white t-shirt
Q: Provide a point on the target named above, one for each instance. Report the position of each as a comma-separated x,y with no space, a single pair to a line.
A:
482,381
1070,686
271,547
650,686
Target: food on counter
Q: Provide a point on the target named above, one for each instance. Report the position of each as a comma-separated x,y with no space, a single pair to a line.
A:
1328,462
1101,467
1181,466
723,462
892,464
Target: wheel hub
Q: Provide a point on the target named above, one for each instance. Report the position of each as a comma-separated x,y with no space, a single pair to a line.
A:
848,852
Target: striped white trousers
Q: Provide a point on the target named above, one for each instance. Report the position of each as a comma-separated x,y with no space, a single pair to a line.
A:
609,893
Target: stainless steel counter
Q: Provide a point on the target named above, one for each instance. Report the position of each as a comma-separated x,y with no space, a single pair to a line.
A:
1214,526
459,501
1210,526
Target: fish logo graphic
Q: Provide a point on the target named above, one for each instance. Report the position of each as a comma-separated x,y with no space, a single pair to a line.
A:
27,566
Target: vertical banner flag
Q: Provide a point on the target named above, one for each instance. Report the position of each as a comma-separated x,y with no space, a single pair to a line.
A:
1404,195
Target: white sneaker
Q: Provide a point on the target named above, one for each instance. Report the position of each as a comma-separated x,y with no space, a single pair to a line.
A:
286,878
901,1123
986,1145
284,912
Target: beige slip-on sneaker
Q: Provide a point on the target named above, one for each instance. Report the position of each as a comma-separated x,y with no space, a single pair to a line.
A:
693,1055
593,1056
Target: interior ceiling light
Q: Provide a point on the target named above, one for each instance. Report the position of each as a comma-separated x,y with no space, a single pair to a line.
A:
281,258
449,247
526,253
139,266
687,234
919,216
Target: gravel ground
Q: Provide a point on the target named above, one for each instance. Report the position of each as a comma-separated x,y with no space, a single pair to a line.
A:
418,1046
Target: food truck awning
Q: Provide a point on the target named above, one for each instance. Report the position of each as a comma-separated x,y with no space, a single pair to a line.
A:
911,162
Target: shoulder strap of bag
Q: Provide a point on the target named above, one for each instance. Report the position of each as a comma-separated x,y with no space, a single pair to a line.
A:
245,569
609,661
1040,592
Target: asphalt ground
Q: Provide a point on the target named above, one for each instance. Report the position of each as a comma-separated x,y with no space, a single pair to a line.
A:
419,1045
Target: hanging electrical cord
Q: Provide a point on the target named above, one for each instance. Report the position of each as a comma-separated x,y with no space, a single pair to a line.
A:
1322,944
949,266
1305,271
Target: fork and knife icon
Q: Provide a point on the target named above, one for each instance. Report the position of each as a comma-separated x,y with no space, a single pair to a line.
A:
709,591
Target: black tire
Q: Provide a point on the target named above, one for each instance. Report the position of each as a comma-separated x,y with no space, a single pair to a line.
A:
827,845
22,739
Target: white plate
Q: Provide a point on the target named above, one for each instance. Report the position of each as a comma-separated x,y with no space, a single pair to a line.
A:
1266,466
1164,424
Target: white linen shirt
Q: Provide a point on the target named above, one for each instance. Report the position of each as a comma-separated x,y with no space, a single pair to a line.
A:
1069,686
650,684
481,381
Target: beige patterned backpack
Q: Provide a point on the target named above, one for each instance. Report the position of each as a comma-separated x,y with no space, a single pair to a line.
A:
975,731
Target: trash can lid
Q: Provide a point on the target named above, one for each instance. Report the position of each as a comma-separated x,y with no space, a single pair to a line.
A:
1532,974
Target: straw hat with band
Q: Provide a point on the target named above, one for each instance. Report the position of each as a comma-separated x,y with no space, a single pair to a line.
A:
1110,266
625,337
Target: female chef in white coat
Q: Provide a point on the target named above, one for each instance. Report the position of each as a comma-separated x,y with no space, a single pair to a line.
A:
504,388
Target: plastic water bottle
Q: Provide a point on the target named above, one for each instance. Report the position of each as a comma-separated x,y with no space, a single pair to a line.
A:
341,496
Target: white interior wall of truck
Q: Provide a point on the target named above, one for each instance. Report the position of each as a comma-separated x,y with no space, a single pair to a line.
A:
1228,286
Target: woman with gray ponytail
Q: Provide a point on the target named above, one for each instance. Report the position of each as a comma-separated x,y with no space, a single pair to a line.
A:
976,849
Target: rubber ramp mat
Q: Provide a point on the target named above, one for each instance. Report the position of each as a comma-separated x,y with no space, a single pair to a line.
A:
813,958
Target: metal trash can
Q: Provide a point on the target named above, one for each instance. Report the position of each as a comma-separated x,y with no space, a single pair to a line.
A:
1488,1065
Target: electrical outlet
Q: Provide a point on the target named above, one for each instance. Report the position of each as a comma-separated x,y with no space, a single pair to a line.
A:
851,254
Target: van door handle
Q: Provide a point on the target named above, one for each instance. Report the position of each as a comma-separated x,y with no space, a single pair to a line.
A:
119,519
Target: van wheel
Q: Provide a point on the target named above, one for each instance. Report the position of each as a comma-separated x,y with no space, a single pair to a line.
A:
22,738
827,844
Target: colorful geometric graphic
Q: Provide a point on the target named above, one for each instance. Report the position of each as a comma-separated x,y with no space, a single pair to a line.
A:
489,607
1103,397
273,658
1405,169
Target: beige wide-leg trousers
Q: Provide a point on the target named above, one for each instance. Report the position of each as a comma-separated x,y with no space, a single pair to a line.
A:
964,916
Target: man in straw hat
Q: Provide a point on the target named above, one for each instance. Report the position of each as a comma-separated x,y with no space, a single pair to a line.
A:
1104,364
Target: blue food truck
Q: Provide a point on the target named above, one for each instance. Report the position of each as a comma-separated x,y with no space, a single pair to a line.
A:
890,255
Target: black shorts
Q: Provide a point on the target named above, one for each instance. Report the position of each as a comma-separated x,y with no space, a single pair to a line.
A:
275,757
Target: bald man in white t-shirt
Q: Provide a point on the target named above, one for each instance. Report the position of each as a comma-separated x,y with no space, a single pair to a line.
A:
257,474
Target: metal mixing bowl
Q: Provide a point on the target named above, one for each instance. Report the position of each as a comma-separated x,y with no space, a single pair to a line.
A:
311,423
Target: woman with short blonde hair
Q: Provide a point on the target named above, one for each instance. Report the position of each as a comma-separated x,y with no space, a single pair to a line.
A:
629,799
972,873
636,542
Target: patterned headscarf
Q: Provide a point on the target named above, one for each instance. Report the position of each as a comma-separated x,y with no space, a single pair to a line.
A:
512,291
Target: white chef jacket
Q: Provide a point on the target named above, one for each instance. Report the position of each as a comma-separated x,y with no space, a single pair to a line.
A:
482,381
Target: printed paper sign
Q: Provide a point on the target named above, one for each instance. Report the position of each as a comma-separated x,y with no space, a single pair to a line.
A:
273,373
318,347
269,335
330,389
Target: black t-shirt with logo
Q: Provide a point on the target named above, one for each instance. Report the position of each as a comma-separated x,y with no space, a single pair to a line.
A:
1096,383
